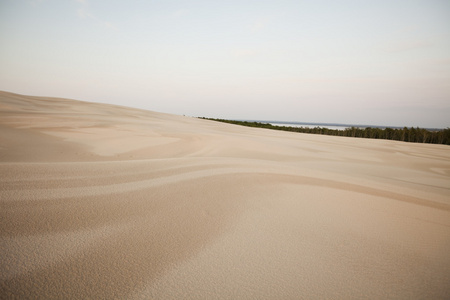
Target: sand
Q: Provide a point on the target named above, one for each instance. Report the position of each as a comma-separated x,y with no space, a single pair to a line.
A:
108,202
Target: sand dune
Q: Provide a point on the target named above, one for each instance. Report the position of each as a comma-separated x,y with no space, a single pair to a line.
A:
108,202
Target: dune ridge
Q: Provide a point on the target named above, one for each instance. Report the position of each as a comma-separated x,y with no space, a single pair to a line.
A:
110,202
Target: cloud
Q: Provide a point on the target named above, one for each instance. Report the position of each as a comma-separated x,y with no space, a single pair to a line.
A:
35,3
244,52
258,25
84,12
180,13
109,25
408,45
408,29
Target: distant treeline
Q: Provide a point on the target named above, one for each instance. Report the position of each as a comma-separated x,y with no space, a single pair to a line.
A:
414,135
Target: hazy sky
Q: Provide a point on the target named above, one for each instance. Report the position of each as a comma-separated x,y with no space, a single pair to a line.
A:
379,62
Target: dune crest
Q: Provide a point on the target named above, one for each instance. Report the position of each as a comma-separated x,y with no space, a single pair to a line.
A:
104,201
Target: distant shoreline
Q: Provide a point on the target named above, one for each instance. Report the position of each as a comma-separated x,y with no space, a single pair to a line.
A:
405,134
329,125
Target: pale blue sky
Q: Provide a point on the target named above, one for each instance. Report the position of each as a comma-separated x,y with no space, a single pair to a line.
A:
358,62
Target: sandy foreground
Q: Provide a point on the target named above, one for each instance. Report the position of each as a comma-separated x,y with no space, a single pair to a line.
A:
107,202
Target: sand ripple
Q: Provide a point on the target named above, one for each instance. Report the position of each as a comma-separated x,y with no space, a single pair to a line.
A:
106,202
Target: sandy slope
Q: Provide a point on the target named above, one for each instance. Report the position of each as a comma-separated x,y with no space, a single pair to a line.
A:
108,202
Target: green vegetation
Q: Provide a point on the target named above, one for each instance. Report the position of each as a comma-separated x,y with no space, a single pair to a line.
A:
414,135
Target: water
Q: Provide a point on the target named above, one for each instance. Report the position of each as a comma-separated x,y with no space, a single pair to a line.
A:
312,125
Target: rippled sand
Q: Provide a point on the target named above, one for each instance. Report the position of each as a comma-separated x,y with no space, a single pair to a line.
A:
108,202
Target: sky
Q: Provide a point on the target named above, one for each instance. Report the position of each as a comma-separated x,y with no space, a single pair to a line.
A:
383,62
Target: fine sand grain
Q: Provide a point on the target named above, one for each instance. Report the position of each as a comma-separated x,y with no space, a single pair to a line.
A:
108,202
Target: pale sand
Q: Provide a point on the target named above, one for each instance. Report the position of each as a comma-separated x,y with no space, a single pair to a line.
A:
107,202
